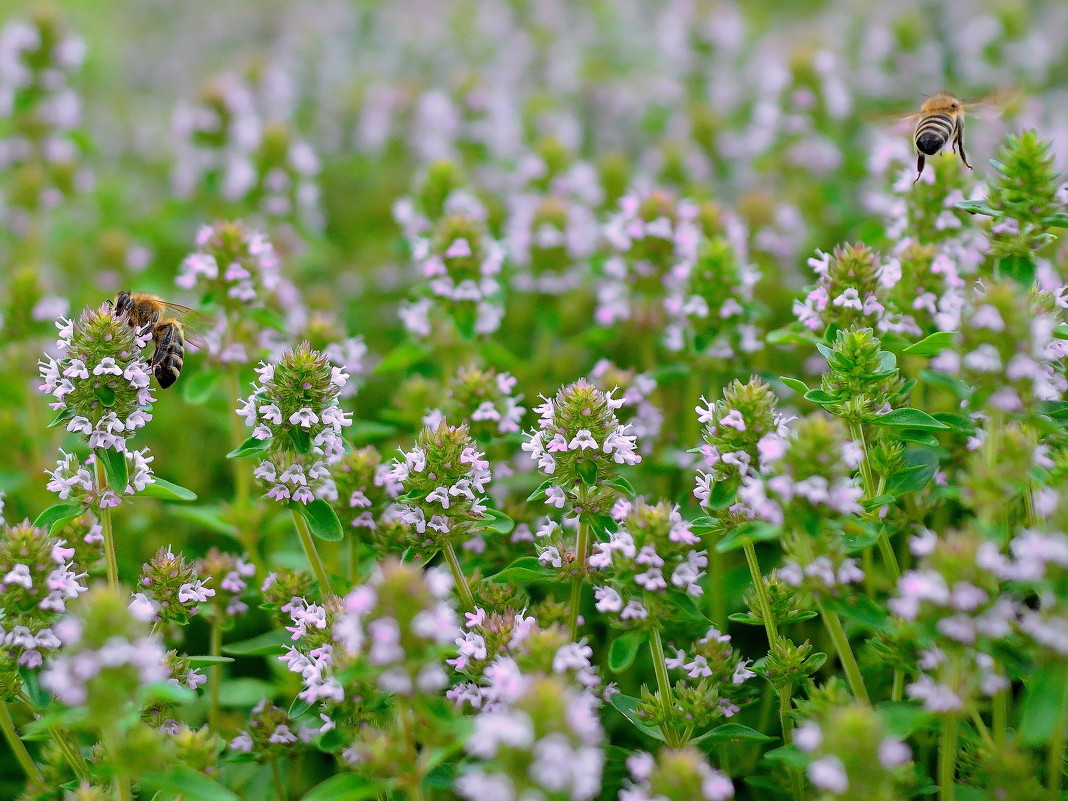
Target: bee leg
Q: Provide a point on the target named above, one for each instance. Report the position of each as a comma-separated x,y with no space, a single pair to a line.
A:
162,335
959,142
920,161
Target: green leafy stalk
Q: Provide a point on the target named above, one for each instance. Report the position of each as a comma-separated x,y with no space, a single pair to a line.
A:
845,653
216,675
762,593
947,757
308,544
29,767
1055,756
663,683
458,576
796,784
582,551
856,432
120,780
106,526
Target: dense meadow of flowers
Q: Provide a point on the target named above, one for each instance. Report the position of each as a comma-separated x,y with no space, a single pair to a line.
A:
579,401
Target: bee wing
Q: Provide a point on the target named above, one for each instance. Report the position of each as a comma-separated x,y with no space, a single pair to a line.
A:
1000,102
184,311
193,339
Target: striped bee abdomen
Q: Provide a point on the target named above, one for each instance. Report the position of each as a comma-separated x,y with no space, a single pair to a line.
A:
933,132
169,355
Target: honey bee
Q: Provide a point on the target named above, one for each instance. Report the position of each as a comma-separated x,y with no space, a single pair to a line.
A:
168,334
941,121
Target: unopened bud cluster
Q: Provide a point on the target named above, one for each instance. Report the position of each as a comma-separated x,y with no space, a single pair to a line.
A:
675,775
171,591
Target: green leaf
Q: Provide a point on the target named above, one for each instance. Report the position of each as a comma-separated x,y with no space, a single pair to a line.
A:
191,784
602,523
821,397
301,440
1018,267
105,394
879,500
365,432
753,531
322,520
945,381
623,650
788,335
587,471
862,610
791,755
199,388
628,708
55,517
498,522
243,692
346,787
795,385
250,447
909,418
977,207
930,345
67,413
733,733
402,357
166,491
115,467
622,485
1061,331
1059,220
32,687
525,568
1042,702
922,463
267,644
165,692
749,620
298,708
859,534
539,493
903,719
196,661
722,494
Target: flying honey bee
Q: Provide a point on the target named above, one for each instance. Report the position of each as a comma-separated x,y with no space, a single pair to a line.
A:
168,334
941,121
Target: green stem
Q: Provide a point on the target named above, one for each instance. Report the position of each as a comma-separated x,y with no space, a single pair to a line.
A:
309,550
216,676
1055,756
663,683
25,761
458,576
415,781
279,784
856,432
845,653
71,752
947,757
980,726
120,779
762,593
581,552
897,691
1000,717
796,785
242,478
105,524
717,589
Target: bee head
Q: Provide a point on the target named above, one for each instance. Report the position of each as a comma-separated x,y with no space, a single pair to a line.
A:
123,303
